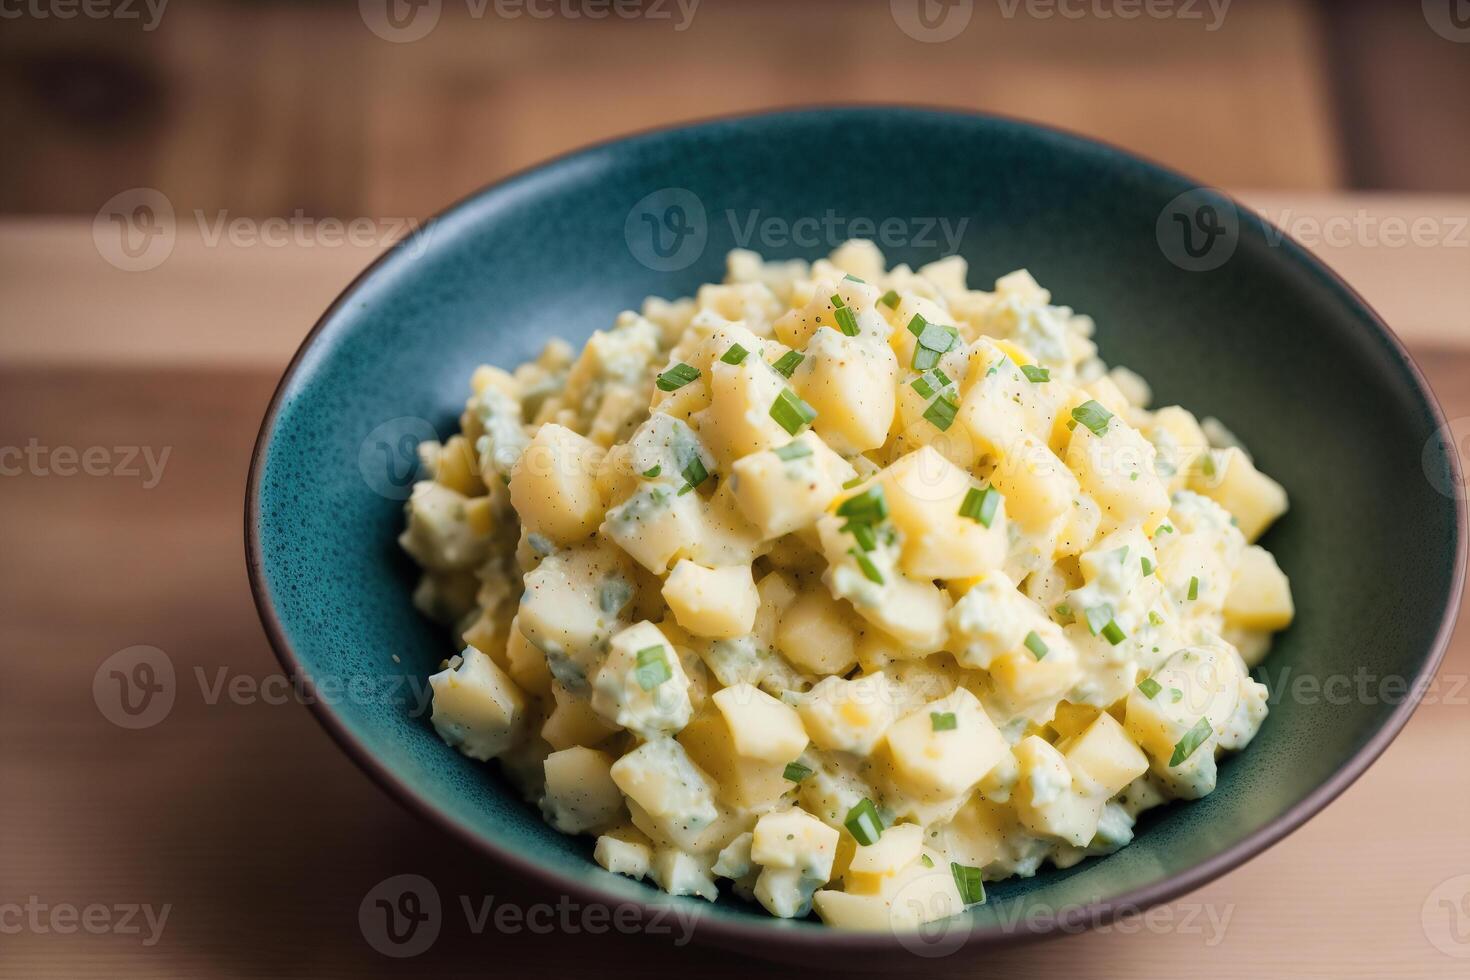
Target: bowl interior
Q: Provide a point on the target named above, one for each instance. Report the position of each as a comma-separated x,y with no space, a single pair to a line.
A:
1266,341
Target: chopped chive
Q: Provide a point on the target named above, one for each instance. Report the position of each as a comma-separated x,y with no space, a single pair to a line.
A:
980,504
926,860
890,299
837,301
792,450
846,321
943,721
788,362
654,471
653,668
1148,566
694,474
685,489
917,325
1149,687
967,880
1176,695
790,412
1155,618
796,772
1208,466
922,386
677,377
1098,617
852,483
734,355
870,570
864,823
1036,645
937,337
1193,587
866,538
868,507
1113,633
1192,740
852,278
1163,529
941,412
1035,374
1063,610
1094,416
924,358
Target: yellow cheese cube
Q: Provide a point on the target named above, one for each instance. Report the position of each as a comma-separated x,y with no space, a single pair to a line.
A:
1232,481
553,485
946,747
716,602
761,726
925,493
1260,595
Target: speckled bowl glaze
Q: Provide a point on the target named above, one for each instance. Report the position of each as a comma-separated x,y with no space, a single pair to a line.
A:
1218,310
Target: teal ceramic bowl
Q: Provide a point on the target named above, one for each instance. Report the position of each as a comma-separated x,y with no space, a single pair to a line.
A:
1215,308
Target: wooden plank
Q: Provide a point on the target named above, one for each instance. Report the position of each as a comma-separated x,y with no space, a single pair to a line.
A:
245,819
212,302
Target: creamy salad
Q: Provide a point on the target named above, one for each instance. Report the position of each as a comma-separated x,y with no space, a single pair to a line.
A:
845,588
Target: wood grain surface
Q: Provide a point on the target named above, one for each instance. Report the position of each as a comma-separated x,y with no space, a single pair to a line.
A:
237,813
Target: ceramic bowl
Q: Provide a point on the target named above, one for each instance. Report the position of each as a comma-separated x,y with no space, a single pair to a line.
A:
1219,311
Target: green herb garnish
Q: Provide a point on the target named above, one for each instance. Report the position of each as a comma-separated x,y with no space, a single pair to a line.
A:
1036,645
791,413
653,668
788,362
980,504
734,355
864,823
1192,740
943,721
677,377
1094,416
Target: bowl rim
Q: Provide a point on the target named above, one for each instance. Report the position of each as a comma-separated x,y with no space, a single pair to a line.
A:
740,933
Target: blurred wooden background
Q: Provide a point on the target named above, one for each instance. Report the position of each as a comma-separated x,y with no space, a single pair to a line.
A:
241,815
269,107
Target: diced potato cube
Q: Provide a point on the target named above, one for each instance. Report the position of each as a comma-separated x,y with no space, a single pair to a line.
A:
573,721
641,685
925,494
937,760
526,664
1177,435
780,495
785,892
679,873
817,635
1260,595
477,707
738,421
553,486
562,611
1045,800
795,839
1104,756
656,525
850,382
761,726
1038,487
1116,469
623,857
1232,480
716,602
580,793
745,783
895,850
664,782
439,535
456,467
848,716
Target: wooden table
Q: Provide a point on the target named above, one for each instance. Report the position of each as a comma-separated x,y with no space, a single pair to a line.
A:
239,816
